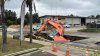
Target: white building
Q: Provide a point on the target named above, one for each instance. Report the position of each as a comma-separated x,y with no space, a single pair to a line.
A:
71,20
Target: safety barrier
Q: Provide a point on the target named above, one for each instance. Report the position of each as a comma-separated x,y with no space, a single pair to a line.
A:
54,48
87,52
67,52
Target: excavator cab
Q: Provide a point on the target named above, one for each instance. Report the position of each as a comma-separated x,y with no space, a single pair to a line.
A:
52,33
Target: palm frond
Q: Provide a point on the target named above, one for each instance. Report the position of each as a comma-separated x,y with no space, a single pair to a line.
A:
29,3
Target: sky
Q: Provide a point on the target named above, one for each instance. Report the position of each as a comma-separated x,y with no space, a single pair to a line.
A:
59,7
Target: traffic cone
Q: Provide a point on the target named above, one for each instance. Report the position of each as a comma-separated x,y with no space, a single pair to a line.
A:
54,49
87,52
67,52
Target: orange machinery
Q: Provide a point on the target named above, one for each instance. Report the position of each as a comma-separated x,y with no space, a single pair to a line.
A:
57,25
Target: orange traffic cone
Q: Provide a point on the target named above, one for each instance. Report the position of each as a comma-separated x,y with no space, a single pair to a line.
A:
87,52
54,49
67,52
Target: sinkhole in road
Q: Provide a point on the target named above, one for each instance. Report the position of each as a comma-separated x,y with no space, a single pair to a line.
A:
98,43
74,38
71,38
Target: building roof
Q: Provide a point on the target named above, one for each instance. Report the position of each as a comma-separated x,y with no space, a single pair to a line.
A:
61,16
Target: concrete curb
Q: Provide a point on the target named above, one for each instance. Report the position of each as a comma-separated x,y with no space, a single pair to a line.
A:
22,52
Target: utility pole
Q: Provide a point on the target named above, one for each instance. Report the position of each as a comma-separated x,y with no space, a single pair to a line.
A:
4,28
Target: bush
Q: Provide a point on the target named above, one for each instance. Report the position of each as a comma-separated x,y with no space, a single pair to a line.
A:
91,25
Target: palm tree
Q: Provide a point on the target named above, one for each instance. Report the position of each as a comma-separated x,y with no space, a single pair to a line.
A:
29,5
4,28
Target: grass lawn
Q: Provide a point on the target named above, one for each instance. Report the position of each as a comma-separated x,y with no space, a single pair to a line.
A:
14,46
92,30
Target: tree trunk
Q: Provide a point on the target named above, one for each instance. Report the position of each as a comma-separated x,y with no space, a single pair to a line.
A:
30,9
4,28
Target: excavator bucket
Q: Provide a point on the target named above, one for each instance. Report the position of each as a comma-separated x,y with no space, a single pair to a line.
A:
59,38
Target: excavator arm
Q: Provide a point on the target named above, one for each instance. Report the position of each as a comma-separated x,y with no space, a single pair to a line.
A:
41,28
58,26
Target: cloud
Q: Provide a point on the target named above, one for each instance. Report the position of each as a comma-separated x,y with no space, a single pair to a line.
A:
14,5
75,4
60,7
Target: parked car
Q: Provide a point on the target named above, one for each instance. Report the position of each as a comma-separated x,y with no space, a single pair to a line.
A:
67,26
35,27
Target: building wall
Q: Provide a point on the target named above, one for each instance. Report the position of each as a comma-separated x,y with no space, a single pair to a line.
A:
73,21
68,20
90,20
61,20
76,20
42,19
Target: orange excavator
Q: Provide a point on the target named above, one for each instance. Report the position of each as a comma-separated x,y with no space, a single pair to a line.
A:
57,25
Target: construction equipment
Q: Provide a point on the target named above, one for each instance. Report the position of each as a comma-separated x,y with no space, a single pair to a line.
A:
57,25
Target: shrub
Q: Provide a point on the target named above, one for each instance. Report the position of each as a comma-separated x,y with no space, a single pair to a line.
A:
91,25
